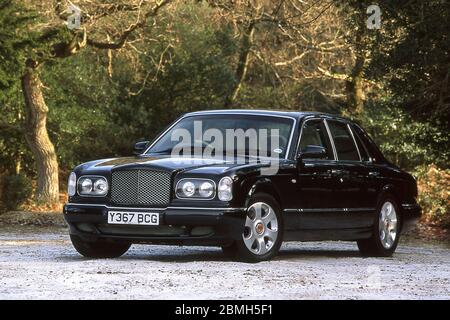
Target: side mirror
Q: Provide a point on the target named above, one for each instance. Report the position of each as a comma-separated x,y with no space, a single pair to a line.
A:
313,152
140,147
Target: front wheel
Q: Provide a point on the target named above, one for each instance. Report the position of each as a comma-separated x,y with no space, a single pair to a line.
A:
263,231
386,231
99,248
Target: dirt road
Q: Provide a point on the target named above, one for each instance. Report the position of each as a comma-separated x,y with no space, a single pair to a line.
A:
41,263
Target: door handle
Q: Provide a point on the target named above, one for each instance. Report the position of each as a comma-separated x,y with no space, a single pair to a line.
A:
374,173
337,172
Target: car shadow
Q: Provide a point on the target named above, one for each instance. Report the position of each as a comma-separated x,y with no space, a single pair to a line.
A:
288,254
212,254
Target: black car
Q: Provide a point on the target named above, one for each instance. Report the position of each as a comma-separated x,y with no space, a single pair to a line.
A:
320,177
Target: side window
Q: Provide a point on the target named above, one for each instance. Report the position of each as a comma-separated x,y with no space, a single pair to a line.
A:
343,141
374,152
361,147
314,133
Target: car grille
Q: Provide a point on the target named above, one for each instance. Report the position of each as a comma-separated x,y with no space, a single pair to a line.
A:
141,187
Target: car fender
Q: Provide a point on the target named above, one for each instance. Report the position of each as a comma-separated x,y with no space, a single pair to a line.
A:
263,185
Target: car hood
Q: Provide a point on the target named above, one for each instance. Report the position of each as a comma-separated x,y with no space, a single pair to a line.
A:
166,163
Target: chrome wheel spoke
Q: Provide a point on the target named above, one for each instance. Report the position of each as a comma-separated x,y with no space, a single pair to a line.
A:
381,225
262,247
249,241
388,209
389,239
393,224
270,218
258,211
248,223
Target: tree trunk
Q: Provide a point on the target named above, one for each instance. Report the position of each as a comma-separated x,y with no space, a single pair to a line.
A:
241,70
37,137
355,92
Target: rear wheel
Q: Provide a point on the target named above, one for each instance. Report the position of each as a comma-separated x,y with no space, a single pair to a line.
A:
386,231
99,248
263,231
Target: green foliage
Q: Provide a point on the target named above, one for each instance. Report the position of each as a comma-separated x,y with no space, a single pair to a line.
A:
434,185
17,41
195,74
413,57
13,41
16,189
404,140
79,102
408,110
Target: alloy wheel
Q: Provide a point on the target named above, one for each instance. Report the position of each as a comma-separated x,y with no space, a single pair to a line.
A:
261,228
388,225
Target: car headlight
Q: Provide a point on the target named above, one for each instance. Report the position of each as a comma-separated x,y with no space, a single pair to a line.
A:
92,186
195,189
72,184
225,188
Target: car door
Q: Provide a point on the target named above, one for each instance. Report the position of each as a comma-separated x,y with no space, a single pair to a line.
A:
353,187
316,185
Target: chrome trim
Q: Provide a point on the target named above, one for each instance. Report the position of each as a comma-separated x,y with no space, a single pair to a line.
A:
354,141
110,207
328,131
161,209
302,210
196,198
410,205
92,195
331,140
216,209
232,113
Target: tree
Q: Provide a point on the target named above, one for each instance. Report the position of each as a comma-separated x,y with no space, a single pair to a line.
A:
101,23
15,40
266,28
293,54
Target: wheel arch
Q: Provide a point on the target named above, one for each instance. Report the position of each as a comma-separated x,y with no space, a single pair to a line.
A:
392,191
263,185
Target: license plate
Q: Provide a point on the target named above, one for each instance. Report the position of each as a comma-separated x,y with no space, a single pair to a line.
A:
136,218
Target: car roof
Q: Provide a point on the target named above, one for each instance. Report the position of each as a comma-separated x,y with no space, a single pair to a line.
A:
292,114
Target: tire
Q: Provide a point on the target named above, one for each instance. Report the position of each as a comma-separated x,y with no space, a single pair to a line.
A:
99,248
383,241
263,231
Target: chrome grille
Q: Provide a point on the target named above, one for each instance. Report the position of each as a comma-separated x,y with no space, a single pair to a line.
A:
141,187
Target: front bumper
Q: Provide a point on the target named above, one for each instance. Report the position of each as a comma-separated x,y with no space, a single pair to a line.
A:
178,225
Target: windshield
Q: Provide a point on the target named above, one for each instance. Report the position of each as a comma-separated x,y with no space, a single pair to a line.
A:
226,134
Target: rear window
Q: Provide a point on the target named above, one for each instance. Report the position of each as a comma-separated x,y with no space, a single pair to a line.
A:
374,153
343,141
361,147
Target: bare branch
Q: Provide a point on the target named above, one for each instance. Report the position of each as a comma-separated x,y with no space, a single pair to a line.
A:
119,43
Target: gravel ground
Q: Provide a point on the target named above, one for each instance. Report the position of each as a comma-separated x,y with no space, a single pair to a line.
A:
40,263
